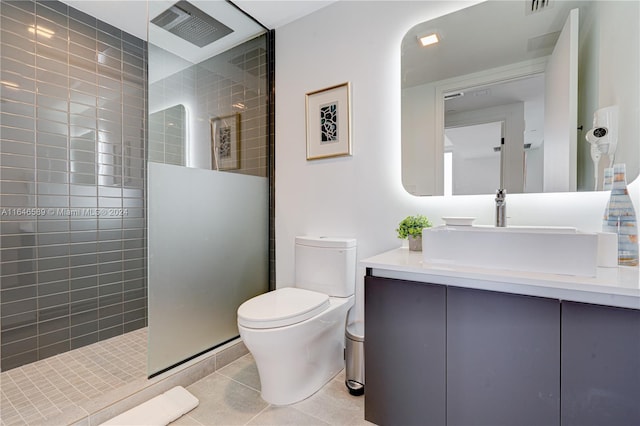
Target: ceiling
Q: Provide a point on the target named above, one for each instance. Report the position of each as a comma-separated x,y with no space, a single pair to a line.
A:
273,14
481,37
131,15
170,53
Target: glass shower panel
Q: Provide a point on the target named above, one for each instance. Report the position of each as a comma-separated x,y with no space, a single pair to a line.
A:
208,253
208,222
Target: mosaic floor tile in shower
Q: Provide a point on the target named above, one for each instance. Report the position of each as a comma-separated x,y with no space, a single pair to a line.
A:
35,392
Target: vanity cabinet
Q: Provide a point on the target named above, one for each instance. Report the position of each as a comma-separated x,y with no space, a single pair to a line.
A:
405,352
452,345
437,355
600,365
502,359
447,355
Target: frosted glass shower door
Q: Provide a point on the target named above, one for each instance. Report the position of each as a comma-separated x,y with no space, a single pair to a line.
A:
208,253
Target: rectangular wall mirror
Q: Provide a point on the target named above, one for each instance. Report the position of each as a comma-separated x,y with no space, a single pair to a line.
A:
550,76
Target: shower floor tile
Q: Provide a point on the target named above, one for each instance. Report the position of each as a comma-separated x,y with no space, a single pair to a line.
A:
44,389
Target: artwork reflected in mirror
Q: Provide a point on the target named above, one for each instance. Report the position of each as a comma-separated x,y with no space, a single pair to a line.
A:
225,142
546,75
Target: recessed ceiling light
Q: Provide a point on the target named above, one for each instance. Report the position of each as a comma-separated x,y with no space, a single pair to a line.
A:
429,39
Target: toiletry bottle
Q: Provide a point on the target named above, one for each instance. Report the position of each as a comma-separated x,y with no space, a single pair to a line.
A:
607,183
620,218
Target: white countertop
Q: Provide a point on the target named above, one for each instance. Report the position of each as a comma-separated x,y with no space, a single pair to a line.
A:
612,286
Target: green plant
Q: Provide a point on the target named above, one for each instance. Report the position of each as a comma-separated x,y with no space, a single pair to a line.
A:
412,225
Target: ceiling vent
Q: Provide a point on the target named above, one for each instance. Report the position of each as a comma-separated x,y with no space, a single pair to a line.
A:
191,24
453,95
535,6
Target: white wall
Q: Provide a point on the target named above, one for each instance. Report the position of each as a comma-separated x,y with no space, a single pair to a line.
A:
362,196
476,175
612,85
621,85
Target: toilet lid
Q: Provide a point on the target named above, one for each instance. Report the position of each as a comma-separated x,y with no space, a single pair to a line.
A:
281,307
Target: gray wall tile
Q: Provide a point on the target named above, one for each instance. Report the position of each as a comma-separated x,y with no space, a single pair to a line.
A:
19,333
87,339
62,272
84,329
20,320
53,325
46,314
18,280
47,351
50,288
19,347
19,293
110,332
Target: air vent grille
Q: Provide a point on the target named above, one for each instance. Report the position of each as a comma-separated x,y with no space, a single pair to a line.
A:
535,6
454,95
170,17
191,24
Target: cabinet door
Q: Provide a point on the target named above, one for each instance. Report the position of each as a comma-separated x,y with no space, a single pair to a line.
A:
503,353
600,365
404,352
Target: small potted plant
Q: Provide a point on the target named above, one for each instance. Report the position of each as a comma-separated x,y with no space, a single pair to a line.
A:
411,227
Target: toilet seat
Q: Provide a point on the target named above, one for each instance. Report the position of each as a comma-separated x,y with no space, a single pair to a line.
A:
282,307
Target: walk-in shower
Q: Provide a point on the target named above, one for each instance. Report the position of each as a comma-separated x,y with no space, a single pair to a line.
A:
88,109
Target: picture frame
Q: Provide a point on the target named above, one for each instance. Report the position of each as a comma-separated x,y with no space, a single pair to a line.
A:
225,142
328,120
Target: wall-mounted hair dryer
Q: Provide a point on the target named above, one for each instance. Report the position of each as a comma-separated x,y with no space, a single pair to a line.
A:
603,138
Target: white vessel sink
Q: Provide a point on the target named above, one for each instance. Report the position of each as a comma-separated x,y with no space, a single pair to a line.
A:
530,249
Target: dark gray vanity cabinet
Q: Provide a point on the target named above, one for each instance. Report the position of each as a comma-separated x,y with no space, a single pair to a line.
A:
503,353
405,352
600,365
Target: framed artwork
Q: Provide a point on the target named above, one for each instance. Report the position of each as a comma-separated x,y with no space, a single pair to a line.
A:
328,122
225,142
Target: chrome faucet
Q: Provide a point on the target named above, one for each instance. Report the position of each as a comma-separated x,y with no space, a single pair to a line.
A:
501,208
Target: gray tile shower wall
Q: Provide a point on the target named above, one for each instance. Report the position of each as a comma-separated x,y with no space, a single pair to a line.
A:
166,136
232,85
72,162
244,93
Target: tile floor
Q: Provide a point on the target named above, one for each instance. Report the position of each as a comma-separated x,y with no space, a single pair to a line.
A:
44,389
231,396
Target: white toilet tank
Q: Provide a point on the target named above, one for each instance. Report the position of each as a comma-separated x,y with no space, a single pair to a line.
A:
326,265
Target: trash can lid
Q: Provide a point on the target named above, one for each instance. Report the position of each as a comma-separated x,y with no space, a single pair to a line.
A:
355,331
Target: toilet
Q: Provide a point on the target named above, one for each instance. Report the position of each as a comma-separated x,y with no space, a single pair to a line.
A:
296,334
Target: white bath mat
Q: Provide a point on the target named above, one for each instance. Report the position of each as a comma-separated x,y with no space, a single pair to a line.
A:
158,411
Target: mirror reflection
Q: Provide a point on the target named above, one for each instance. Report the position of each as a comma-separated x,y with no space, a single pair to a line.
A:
550,78
167,135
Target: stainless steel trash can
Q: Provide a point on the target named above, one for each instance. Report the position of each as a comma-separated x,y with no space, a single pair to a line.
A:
354,358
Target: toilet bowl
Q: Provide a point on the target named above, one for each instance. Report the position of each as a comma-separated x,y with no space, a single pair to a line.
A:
296,334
